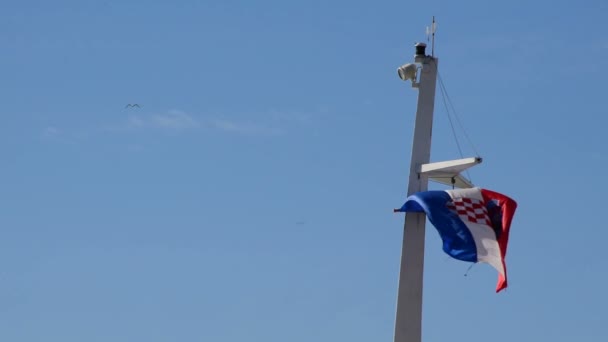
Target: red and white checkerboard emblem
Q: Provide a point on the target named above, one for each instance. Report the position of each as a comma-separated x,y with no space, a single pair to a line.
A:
472,210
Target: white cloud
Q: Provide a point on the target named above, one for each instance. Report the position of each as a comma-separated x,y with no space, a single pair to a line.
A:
290,116
174,120
135,148
272,122
135,121
244,127
50,132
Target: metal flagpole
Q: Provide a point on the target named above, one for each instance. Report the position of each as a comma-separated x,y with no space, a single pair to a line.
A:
408,320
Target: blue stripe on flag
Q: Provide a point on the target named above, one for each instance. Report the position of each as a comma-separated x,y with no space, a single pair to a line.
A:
457,239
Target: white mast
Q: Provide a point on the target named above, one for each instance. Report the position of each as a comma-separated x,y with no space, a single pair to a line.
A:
408,320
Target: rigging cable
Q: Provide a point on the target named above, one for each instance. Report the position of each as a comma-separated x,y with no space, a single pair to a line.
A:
446,99
444,93
443,97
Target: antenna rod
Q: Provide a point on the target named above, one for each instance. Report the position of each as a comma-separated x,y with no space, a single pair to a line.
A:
433,27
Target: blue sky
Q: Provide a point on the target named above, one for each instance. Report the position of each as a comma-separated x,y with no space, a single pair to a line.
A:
251,196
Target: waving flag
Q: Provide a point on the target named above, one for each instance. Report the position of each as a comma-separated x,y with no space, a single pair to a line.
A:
473,224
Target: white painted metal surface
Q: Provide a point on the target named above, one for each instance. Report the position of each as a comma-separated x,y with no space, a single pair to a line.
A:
408,320
450,172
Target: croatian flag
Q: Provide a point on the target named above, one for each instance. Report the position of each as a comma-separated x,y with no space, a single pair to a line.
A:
473,224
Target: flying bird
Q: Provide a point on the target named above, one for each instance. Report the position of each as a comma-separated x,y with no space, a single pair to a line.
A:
133,105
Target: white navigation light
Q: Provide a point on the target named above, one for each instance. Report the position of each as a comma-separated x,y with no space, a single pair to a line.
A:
407,71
